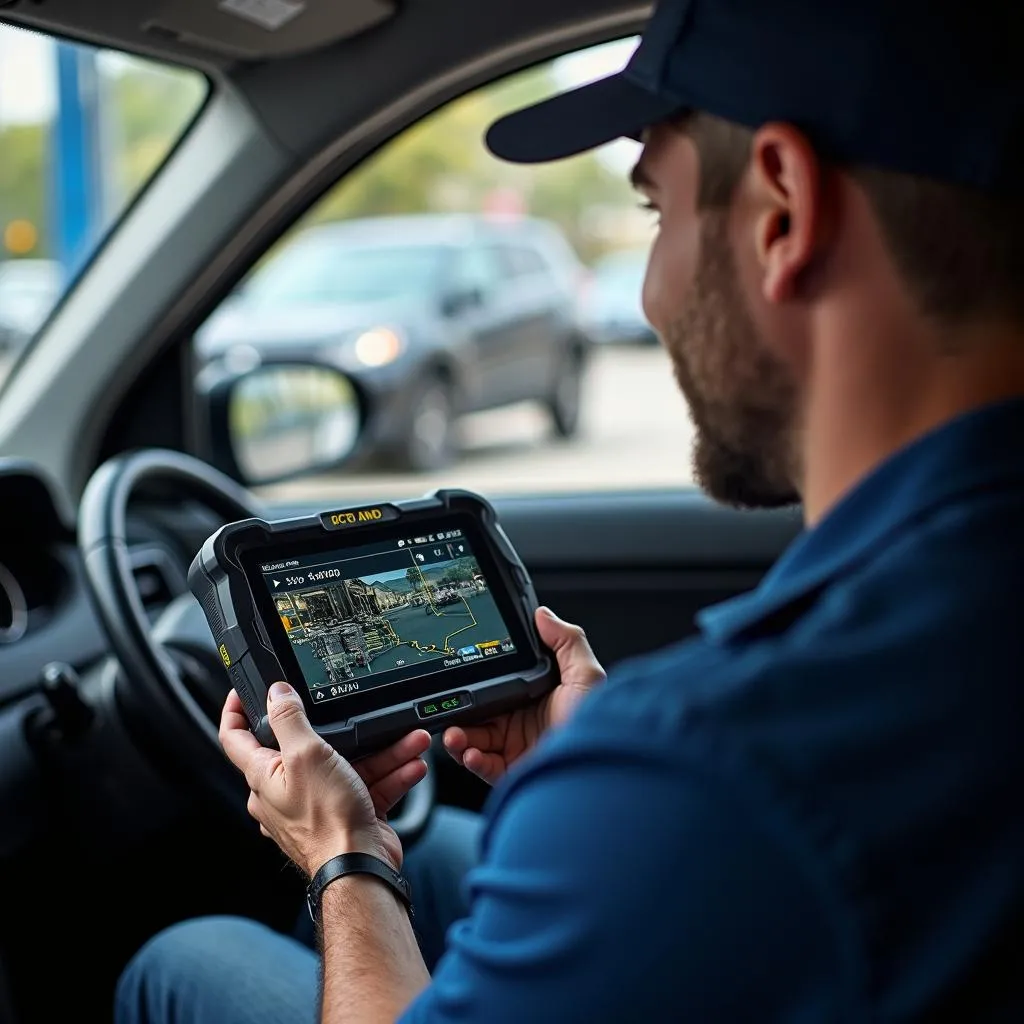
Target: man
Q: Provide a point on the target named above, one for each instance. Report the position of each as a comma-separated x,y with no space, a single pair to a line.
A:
812,811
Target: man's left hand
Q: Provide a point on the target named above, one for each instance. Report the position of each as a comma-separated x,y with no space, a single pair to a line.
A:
307,797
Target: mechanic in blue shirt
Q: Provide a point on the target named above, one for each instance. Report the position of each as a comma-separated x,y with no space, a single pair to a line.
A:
813,810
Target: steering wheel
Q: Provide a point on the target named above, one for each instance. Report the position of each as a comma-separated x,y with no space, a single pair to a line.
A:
172,682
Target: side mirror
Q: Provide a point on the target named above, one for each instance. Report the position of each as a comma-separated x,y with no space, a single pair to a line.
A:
459,300
278,421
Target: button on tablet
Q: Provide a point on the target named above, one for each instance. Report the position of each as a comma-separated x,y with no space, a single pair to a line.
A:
443,705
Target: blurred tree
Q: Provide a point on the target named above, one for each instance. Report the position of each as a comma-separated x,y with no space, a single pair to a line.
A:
145,108
23,179
441,165
148,108
462,571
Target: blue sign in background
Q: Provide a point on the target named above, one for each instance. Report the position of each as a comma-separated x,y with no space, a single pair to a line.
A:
75,168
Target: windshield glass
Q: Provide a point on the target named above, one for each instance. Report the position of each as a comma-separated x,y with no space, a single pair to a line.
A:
82,130
327,270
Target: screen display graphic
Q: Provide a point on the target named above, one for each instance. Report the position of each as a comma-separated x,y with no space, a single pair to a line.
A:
365,617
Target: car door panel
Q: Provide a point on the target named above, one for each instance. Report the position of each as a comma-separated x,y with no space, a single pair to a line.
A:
490,326
508,357
635,569
528,370
499,346
626,613
481,329
544,341
653,529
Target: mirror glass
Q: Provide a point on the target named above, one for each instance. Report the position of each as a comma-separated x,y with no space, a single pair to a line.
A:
287,420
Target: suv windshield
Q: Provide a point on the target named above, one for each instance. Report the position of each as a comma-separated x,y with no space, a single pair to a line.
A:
327,270
82,131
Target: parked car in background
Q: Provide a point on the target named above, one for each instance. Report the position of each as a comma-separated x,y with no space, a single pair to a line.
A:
29,290
612,311
434,315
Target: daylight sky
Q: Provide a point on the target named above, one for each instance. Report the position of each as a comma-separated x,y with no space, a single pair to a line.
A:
27,84
385,577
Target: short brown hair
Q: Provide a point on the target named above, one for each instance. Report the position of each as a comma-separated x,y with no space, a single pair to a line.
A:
960,251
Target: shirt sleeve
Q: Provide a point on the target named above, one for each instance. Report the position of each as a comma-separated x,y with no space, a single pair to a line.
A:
617,885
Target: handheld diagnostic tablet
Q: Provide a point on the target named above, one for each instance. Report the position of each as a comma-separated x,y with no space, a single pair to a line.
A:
386,618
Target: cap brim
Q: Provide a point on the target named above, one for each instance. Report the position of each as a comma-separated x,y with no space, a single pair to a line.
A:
575,121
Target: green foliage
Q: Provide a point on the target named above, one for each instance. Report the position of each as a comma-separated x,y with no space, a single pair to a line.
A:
145,108
462,571
442,165
150,106
22,179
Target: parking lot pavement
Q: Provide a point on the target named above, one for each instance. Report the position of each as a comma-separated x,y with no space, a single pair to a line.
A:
635,434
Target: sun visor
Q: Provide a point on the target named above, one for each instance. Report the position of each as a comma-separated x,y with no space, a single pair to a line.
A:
232,29
261,29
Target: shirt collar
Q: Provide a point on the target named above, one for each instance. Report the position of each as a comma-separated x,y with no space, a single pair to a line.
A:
976,450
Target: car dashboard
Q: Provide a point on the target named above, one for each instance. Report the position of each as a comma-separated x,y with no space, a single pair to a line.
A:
46,614
81,789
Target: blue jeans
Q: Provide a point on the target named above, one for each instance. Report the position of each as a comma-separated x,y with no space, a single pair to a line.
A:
229,970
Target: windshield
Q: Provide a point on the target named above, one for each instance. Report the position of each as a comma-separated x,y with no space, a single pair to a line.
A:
82,131
332,270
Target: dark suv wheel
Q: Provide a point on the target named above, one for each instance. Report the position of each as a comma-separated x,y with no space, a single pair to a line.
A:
429,441
566,397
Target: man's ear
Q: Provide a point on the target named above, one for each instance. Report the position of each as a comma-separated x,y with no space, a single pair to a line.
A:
786,176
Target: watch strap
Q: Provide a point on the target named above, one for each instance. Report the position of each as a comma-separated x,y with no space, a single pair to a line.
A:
356,864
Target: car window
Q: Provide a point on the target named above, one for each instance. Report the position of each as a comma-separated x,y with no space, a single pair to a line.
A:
82,130
329,270
521,261
550,390
476,270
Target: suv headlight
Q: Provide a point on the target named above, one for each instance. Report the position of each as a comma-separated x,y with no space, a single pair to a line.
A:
377,347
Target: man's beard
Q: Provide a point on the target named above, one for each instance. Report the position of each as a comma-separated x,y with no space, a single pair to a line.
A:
742,399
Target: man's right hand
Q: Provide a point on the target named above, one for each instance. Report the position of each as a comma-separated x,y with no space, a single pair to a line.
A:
489,750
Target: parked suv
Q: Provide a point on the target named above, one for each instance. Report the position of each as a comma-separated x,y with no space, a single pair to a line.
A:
29,289
434,315
613,308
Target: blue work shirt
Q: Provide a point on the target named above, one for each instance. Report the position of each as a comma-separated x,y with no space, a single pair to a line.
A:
811,812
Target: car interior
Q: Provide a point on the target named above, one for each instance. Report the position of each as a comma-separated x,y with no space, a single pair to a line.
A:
118,813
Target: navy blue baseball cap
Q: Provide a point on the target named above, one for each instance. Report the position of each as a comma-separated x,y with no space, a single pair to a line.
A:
929,87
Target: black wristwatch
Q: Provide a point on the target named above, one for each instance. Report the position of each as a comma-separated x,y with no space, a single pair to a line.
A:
356,864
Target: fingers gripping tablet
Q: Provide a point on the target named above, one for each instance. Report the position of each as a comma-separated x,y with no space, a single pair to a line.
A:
386,618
